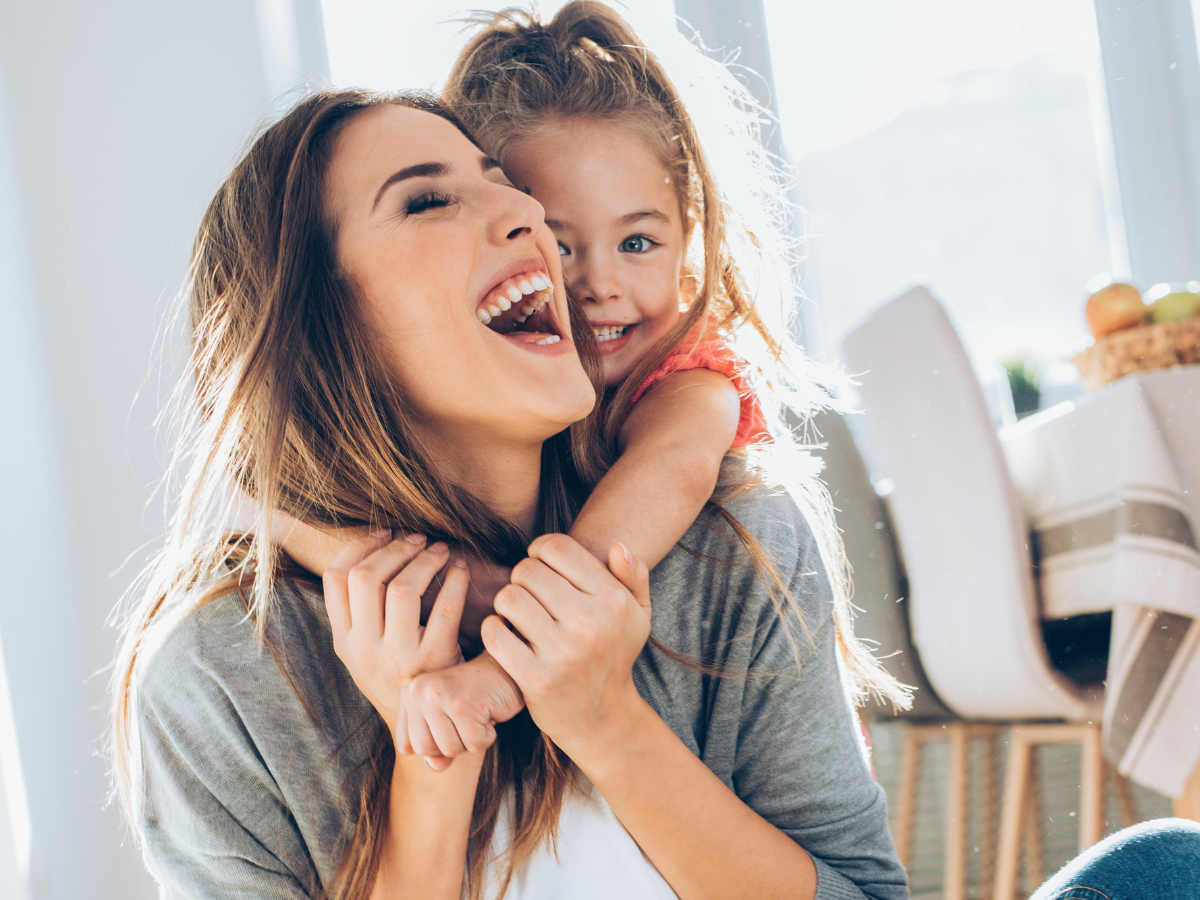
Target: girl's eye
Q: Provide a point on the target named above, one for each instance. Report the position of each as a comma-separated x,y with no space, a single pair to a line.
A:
428,200
563,251
637,243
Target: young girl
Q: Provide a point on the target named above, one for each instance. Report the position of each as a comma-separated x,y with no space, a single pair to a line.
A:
588,122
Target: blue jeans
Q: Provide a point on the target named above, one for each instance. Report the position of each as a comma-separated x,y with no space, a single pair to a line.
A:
1158,860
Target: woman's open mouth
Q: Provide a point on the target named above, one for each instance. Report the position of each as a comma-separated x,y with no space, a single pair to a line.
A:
519,307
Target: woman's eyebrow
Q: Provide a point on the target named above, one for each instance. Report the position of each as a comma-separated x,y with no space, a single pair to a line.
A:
427,170
420,170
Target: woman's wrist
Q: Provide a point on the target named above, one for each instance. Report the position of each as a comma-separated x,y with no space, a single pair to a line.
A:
429,823
609,743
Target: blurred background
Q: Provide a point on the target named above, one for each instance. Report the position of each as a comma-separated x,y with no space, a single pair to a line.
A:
979,149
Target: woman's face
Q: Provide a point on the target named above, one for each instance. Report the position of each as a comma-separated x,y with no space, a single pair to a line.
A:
451,259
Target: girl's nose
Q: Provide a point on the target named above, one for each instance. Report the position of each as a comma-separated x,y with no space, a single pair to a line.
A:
596,280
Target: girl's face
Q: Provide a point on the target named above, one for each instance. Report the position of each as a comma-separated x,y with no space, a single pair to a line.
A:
620,230
450,259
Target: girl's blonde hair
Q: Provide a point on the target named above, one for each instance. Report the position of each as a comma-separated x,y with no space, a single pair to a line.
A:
291,402
519,76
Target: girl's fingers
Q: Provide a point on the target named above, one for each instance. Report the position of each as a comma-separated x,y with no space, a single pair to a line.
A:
478,737
438,763
420,737
514,656
336,579
527,615
403,744
631,572
439,646
567,557
445,734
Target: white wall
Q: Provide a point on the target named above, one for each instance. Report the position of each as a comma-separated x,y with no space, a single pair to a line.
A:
117,121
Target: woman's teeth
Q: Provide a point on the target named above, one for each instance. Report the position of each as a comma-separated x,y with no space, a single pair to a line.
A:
505,296
609,332
553,339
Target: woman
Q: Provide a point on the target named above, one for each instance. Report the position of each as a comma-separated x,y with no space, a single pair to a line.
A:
344,380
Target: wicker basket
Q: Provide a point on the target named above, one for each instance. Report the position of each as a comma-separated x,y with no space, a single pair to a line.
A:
1139,350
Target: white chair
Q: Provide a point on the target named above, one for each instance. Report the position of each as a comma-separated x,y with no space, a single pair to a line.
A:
973,608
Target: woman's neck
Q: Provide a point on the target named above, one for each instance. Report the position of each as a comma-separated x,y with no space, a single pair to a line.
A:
503,477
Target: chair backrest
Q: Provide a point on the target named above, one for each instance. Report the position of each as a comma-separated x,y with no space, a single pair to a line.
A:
973,608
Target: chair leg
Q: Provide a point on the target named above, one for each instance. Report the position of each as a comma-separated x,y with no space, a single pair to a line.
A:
1012,816
1091,789
954,874
988,831
910,769
1034,855
1187,805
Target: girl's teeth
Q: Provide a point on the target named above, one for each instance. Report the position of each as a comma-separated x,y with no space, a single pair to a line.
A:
521,319
528,309
553,339
482,315
609,332
494,311
514,293
540,282
505,304
525,286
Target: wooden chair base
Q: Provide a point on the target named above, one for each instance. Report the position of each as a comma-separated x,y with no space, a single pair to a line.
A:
1020,815
1020,820
959,736
1187,805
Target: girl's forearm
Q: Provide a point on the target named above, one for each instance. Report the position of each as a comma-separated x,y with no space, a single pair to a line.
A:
429,820
704,840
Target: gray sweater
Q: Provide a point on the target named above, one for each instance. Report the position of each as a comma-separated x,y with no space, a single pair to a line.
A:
243,794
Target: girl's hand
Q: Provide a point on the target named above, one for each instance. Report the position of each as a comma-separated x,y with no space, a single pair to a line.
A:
373,594
455,710
583,626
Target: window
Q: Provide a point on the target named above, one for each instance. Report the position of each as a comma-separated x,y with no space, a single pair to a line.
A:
963,146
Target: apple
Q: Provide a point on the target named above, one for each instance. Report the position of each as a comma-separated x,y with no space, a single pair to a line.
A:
1177,306
1114,307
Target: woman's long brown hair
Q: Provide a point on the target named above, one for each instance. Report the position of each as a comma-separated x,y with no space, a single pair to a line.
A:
289,401
518,76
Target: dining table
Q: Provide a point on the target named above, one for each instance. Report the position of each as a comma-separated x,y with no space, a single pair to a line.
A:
1110,486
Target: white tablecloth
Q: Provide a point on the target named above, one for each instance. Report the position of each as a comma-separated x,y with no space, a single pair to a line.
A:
1111,487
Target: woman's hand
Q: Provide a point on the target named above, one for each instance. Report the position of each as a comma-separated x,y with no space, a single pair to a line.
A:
373,594
583,626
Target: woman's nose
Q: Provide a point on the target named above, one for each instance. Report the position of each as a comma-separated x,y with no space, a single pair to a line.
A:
517,215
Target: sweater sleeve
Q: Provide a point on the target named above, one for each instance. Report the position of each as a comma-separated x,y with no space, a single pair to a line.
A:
800,760
225,749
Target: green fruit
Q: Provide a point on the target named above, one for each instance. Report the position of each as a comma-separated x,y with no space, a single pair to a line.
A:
1176,307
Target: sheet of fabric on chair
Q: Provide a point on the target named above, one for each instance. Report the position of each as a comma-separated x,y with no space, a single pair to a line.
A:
973,608
1111,484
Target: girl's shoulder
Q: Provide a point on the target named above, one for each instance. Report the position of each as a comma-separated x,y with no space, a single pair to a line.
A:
715,354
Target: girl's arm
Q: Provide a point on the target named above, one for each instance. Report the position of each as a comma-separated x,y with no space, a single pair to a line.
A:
583,629
671,449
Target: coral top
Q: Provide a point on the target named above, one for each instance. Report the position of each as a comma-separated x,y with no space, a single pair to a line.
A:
711,354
